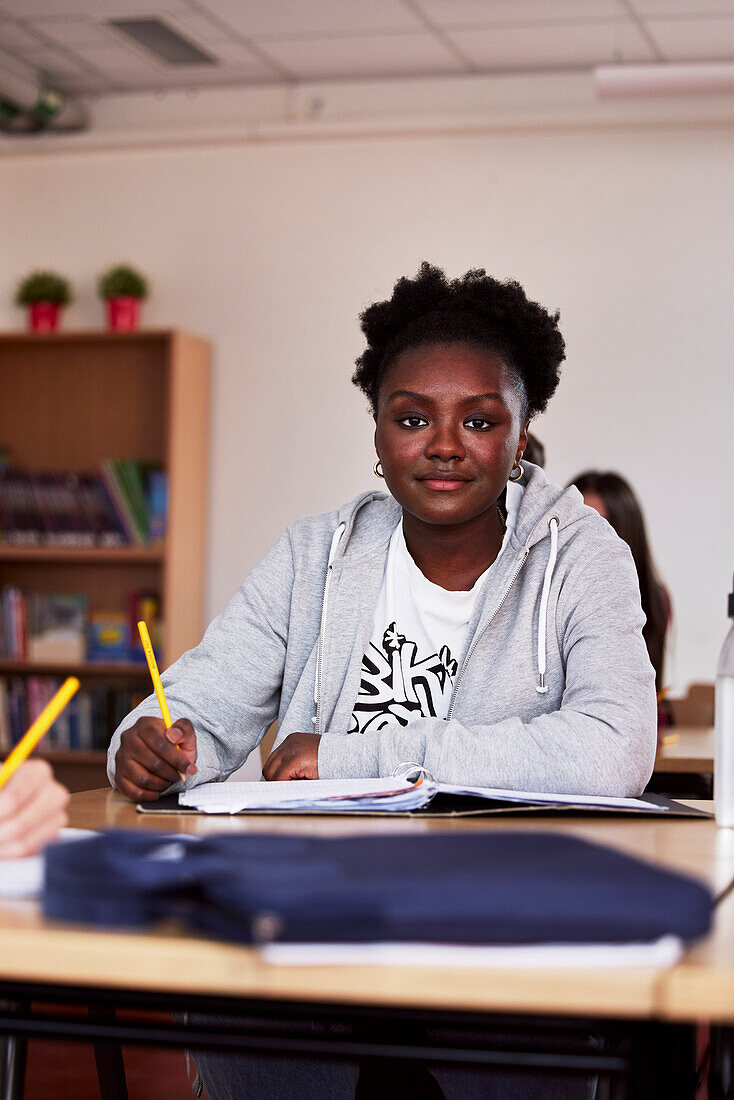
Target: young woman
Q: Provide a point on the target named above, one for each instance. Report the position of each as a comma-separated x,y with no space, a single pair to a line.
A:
615,500
426,626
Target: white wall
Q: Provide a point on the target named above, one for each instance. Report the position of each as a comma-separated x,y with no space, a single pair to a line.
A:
273,250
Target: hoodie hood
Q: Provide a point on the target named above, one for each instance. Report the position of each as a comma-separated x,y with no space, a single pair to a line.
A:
541,500
545,510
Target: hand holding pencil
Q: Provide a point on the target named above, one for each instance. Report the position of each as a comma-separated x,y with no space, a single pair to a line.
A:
32,803
155,752
32,810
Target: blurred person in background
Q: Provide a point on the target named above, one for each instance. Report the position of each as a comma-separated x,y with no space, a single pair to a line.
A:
614,499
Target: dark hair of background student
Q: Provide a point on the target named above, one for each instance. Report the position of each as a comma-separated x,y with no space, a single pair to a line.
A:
476,310
624,513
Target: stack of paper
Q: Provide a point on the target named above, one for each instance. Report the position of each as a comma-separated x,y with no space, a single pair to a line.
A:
389,795
663,952
326,795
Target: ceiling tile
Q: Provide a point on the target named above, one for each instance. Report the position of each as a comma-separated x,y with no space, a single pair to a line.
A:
229,48
91,9
709,39
13,37
313,18
485,13
554,46
118,58
699,8
81,83
365,56
200,28
76,32
52,61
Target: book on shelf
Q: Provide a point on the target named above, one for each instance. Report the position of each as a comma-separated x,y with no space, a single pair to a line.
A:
144,605
108,637
124,504
13,634
58,628
139,492
87,723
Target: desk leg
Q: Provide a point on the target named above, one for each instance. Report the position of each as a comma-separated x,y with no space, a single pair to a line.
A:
665,1062
12,1069
108,1057
721,1071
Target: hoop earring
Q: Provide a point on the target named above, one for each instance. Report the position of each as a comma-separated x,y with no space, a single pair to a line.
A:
516,476
377,469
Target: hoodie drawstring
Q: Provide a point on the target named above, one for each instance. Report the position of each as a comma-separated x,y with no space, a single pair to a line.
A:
541,687
336,539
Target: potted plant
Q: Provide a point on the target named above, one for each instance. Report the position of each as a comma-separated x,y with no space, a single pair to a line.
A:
123,288
44,292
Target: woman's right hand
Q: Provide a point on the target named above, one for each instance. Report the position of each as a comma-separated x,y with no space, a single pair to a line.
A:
150,757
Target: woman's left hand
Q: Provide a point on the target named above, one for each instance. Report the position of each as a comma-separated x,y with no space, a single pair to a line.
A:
296,758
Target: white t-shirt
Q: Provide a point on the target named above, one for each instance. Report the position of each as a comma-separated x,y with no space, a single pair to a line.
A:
418,639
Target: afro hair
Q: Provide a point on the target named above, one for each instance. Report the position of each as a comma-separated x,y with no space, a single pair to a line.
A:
475,309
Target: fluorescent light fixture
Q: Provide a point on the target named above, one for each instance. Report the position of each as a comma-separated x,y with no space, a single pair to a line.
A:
665,78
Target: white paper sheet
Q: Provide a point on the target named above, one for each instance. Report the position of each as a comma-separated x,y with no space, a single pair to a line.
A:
23,878
327,794
660,953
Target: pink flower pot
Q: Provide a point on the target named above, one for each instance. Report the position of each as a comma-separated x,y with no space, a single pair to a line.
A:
123,314
43,316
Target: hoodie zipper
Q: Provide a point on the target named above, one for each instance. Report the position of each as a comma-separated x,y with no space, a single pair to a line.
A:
478,637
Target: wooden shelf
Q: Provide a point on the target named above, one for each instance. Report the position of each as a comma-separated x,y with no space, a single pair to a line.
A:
98,335
89,668
92,757
70,401
84,555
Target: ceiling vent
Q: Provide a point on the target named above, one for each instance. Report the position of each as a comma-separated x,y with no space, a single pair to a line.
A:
166,44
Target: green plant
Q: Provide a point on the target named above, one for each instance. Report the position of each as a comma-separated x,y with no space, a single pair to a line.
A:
122,282
43,286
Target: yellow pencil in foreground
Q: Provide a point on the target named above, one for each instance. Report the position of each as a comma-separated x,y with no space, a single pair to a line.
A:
155,677
38,729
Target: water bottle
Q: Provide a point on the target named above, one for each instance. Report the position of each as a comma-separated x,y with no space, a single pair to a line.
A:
724,730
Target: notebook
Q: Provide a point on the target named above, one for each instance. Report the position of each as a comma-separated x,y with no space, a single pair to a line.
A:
394,796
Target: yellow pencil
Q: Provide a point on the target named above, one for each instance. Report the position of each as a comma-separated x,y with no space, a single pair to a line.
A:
155,677
37,729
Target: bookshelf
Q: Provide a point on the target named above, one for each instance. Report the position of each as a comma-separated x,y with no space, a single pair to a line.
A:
70,400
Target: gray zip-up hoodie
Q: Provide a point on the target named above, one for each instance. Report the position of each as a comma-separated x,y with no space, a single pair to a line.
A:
556,692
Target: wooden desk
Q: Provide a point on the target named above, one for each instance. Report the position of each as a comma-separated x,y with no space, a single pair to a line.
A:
35,950
41,960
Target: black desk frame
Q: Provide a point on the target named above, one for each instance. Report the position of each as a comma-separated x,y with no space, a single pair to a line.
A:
643,1060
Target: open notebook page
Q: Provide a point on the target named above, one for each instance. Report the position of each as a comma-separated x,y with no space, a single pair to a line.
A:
610,801
373,795
385,794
